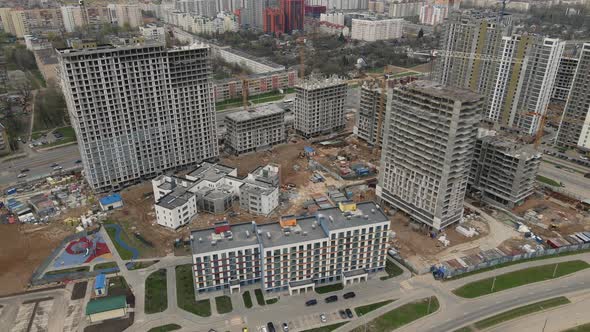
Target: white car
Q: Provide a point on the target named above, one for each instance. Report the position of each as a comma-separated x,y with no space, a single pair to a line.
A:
323,318
21,175
57,168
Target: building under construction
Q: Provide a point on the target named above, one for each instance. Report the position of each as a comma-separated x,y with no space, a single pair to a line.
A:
503,170
255,129
372,107
319,106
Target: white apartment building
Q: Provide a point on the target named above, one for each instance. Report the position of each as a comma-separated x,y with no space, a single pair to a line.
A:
319,105
125,104
405,8
369,29
340,4
524,81
125,15
344,244
433,14
334,18
428,145
153,32
72,17
212,188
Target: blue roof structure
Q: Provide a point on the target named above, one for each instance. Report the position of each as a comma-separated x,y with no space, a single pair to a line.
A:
308,149
110,199
100,282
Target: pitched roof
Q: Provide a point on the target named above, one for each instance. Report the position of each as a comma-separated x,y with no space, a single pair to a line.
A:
105,304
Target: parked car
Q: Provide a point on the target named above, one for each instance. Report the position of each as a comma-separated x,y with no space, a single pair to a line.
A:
323,318
271,327
285,327
311,302
348,312
587,175
54,165
342,314
349,295
78,161
24,170
21,175
331,299
57,168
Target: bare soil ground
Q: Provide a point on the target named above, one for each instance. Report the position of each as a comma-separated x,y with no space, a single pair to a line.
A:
555,212
24,247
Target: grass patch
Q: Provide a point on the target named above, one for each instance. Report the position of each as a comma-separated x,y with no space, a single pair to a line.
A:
38,134
519,278
156,295
548,181
329,288
107,265
363,310
165,328
267,99
117,284
70,270
185,293
499,266
128,237
247,299
521,311
401,316
326,328
581,328
464,329
272,301
392,270
259,296
124,253
141,265
223,304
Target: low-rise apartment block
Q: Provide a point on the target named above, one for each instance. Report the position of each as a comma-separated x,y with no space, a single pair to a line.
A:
503,170
256,129
212,188
319,106
339,244
232,88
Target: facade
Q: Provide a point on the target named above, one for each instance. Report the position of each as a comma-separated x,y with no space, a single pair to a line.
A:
319,106
405,8
21,22
574,128
341,244
274,21
153,32
335,18
256,65
232,88
340,4
3,138
72,17
294,13
428,148
106,308
370,29
524,81
125,104
503,171
255,129
433,14
369,112
111,202
376,6
125,15
212,188
564,78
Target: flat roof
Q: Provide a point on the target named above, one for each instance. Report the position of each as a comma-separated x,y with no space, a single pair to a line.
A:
211,172
366,213
313,83
307,229
260,60
99,305
203,239
256,113
438,90
110,199
176,198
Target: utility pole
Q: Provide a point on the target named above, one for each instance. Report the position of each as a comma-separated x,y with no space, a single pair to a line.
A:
545,325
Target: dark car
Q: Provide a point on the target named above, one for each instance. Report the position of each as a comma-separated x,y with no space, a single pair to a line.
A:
24,170
54,165
587,175
342,314
271,327
311,302
331,299
349,313
349,295
78,161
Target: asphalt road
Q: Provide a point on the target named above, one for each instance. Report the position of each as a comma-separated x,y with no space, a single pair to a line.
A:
574,182
39,164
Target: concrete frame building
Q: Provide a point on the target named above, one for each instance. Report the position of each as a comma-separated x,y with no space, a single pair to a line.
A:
139,111
564,78
427,152
341,244
370,109
153,32
213,188
503,171
574,128
319,105
255,129
372,29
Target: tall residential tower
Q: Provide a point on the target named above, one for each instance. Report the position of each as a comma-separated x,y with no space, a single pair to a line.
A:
139,110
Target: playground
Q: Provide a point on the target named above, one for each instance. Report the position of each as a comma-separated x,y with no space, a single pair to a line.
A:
87,249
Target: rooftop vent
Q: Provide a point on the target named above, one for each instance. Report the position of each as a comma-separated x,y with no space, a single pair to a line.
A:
200,239
313,226
248,234
304,233
287,233
349,217
192,238
372,210
366,216
213,242
259,232
268,235
377,206
331,218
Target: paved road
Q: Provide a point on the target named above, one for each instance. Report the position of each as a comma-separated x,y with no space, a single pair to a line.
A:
574,182
39,163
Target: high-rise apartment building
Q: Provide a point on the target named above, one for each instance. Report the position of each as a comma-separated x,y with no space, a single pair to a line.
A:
405,8
433,14
564,78
372,29
274,21
574,129
125,15
294,13
429,139
319,106
139,110
524,81
503,171
373,105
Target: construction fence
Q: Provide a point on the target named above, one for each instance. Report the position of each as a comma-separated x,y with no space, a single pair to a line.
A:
449,273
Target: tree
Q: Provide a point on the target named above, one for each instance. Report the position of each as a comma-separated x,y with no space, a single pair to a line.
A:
420,33
341,37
